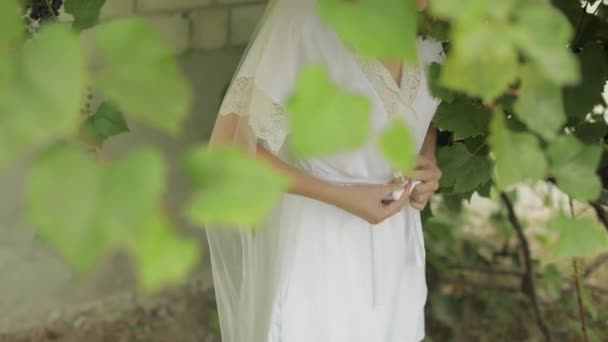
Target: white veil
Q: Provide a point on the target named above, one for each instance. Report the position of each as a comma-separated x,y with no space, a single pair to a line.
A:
246,265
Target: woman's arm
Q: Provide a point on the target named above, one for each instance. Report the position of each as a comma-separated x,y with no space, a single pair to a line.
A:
301,183
364,201
426,171
429,146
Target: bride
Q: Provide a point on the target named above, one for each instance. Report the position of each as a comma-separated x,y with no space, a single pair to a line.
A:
332,262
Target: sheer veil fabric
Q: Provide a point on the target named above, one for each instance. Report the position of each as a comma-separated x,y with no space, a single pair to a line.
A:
249,268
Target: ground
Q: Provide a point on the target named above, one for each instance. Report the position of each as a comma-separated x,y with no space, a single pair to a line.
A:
183,315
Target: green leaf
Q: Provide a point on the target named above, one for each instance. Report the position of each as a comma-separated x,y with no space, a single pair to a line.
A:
543,33
62,191
85,12
105,123
573,165
464,117
436,89
462,170
43,101
397,145
131,192
571,9
472,12
11,25
230,187
578,237
374,28
518,156
325,119
429,26
485,190
540,104
580,99
140,74
591,132
483,63
163,257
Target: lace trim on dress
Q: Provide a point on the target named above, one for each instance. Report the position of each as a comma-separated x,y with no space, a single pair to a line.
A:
266,118
410,82
396,100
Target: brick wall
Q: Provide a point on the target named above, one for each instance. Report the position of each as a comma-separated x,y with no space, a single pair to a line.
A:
193,24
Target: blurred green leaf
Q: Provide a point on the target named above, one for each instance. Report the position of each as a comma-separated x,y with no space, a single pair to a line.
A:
226,183
540,104
518,155
46,90
374,28
573,165
325,119
483,62
543,33
163,257
472,12
131,192
571,9
140,74
588,301
11,26
85,12
62,191
446,309
578,237
398,146
553,279
105,123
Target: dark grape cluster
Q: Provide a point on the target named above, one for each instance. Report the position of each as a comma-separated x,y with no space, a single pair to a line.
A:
44,10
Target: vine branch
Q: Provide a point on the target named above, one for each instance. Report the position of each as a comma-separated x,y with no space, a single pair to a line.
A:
577,285
579,298
595,264
529,286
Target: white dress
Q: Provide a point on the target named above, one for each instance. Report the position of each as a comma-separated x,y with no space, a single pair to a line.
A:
312,272
340,278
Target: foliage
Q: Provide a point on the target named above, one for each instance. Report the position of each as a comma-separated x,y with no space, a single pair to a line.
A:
520,85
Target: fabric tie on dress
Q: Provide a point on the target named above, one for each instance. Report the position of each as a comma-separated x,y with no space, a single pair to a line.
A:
414,237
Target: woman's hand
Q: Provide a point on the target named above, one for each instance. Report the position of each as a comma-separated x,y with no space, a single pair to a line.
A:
429,174
367,200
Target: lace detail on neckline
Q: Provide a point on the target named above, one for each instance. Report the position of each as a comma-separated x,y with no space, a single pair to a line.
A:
396,99
266,118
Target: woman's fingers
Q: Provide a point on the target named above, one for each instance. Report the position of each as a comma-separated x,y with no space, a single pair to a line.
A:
425,175
422,194
395,206
426,169
418,205
423,162
423,188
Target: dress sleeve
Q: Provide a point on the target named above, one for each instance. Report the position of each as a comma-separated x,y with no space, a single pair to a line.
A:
263,82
